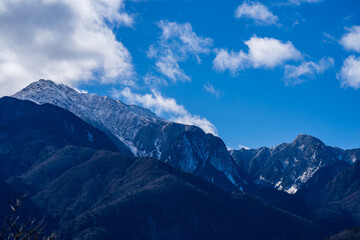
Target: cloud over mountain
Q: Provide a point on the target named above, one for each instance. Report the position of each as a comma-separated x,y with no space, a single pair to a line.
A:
166,107
67,41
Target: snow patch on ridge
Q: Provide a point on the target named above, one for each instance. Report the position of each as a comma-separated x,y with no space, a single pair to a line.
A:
309,173
292,190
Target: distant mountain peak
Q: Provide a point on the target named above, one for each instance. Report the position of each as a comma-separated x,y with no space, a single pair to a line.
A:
43,83
307,140
289,166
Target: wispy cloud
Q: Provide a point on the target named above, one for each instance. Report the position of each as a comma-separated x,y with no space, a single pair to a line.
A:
63,40
329,38
256,11
151,79
351,40
349,75
263,52
210,89
299,2
168,107
306,70
176,44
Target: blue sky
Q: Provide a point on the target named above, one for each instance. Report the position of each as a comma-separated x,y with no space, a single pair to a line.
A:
257,73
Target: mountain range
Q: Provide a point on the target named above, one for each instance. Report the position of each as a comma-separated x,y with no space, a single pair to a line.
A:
146,135
102,169
289,166
91,190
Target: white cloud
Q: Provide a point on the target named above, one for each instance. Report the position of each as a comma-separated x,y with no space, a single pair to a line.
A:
176,44
154,101
198,121
299,2
81,90
63,40
232,61
210,89
270,52
166,107
256,11
350,72
263,52
351,40
297,74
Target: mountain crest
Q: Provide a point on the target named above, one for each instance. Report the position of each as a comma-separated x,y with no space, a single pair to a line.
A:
304,139
43,84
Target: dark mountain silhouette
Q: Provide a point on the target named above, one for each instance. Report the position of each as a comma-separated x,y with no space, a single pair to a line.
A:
7,194
106,195
340,193
28,132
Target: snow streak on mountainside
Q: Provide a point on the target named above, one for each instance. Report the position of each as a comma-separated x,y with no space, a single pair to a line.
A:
289,165
145,134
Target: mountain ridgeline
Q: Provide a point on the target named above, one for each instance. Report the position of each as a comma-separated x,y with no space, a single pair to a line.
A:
98,168
146,135
289,166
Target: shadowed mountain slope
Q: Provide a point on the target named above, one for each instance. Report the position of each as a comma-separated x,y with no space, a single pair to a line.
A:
107,195
26,129
340,193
